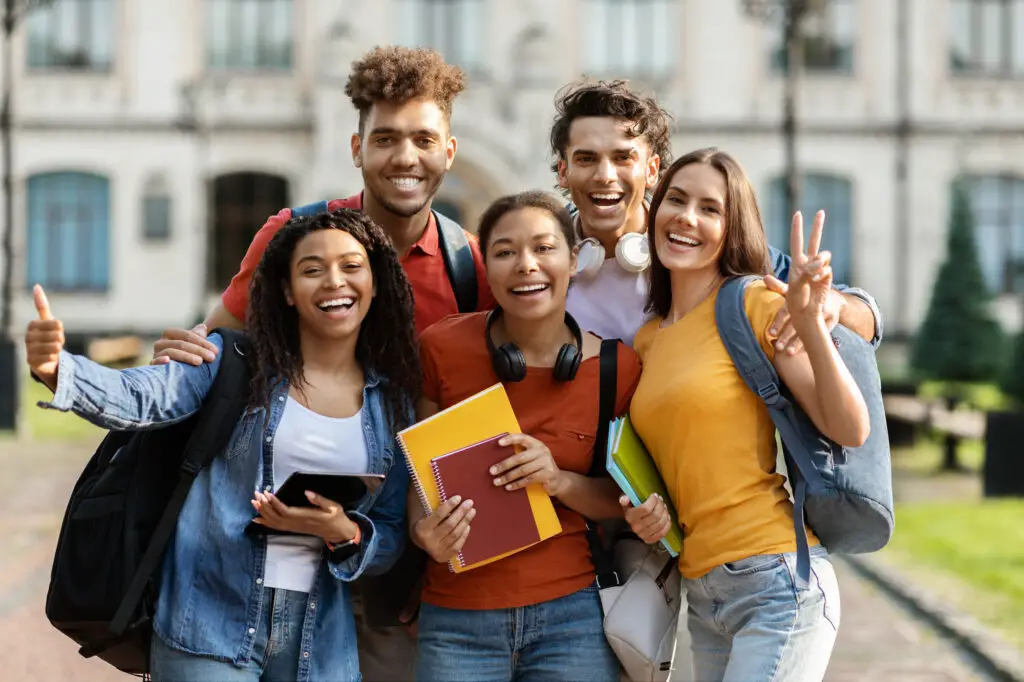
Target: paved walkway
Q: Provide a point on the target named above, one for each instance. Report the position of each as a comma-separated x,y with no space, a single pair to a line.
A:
877,642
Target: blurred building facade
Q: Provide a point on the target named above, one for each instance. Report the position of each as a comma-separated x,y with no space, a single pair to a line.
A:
152,138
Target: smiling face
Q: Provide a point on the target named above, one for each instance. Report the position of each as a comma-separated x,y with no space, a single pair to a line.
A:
607,173
404,153
690,225
529,263
331,284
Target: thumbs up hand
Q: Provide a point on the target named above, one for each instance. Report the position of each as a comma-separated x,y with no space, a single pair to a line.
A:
44,341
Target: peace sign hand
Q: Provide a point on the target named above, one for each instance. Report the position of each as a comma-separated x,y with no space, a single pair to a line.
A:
44,341
810,275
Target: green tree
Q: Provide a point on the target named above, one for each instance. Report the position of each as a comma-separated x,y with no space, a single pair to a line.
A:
1013,379
959,341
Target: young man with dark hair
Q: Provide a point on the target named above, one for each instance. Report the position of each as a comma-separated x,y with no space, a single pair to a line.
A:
609,144
404,148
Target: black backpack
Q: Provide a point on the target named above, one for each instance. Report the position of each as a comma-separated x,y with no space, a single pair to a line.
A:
455,249
123,512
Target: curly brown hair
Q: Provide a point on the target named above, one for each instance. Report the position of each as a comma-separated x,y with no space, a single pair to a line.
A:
614,99
399,74
387,340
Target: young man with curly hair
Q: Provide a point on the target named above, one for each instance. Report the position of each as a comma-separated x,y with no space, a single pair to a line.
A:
404,148
609,143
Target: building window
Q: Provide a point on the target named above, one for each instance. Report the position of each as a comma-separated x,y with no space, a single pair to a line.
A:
828,36
156,210
997,205
249,35
72,34
987,37
454,28
241,204
818,192
68,231
629,38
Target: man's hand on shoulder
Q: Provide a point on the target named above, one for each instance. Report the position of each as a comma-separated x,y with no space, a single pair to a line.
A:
191,345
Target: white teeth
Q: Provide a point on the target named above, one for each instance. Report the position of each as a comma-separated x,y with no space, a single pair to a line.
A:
681,239
608,197
405,183
530,288
343,302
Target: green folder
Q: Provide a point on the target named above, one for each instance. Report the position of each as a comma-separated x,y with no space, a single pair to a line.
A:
634,471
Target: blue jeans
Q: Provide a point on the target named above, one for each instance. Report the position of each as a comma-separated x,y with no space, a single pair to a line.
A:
749,623
559,640
275,653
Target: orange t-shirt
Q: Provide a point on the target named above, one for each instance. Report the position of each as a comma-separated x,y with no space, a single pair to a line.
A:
433,297
562,415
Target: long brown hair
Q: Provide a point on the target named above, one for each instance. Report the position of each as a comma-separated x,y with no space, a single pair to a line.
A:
745,251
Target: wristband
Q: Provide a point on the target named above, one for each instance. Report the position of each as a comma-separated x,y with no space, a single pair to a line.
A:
355,540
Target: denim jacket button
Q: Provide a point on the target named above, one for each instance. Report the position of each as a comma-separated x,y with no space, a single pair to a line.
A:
312,605
280,399
269,438
252,631
259,581
305,654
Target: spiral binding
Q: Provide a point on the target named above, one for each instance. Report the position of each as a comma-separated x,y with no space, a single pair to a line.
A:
421,493
444,498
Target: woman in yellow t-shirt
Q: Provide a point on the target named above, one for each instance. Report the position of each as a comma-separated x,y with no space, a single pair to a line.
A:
712,437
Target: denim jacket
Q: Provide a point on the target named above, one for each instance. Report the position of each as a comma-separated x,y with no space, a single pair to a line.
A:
211,594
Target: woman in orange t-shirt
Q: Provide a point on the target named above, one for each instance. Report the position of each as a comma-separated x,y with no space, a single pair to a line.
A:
536,614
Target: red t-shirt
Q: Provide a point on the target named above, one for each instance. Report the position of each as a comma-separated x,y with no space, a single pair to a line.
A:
433,297
562,415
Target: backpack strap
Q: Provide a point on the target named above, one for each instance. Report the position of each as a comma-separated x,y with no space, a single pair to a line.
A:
458,261
759,374
316,208
217,419
604,566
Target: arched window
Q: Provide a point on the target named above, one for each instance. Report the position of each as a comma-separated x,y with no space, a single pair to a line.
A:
997,203
818,191
69,231
242,202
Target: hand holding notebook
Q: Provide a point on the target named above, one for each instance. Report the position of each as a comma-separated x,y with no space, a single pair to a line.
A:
504,520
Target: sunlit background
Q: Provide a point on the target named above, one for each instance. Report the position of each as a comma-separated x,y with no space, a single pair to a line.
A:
152,138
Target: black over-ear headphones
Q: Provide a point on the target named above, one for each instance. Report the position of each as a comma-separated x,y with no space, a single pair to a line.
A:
510,365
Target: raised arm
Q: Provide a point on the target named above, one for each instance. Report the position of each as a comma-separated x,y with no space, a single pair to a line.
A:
817,377
851,307
131,399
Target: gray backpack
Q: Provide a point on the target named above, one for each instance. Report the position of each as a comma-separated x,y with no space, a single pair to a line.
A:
845,493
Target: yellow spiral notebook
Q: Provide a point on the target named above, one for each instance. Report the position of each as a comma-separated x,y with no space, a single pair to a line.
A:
475,419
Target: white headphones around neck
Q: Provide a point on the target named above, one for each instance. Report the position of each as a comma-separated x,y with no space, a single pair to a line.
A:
632,253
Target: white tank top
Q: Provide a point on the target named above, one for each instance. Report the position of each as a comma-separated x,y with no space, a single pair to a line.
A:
311,442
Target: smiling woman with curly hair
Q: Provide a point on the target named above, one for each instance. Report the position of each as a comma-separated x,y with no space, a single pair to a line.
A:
253,589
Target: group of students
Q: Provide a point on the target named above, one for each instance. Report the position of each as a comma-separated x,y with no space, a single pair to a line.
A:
354,336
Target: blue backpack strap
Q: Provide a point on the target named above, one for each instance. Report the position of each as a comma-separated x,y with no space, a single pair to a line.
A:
316,208
458,261
759,374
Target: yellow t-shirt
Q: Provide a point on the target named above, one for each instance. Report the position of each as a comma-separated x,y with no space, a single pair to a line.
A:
712,438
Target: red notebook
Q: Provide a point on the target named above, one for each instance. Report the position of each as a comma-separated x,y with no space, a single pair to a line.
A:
504,519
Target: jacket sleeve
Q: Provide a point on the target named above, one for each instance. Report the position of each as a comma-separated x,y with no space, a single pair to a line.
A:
132,399
780,263
382,527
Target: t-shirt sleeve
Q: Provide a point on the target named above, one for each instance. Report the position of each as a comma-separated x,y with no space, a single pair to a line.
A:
628,378
428,365
236,297
645,337
762,307
484,297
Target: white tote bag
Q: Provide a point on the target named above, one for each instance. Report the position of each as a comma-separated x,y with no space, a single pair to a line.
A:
641,615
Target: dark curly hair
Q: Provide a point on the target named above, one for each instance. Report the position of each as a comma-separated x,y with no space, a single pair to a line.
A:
387,339
613,99
399,74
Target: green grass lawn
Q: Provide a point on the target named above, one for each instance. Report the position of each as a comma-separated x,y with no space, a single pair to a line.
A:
971,552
